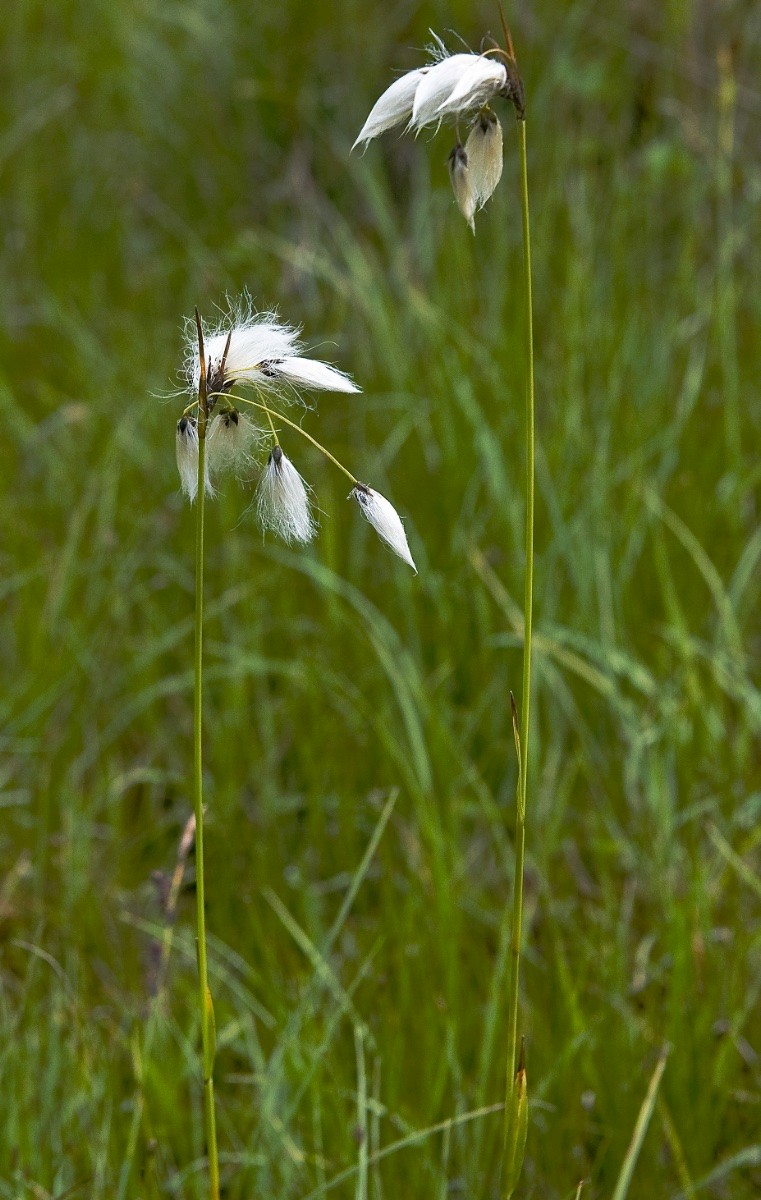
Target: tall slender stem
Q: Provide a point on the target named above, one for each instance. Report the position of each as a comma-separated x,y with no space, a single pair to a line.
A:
207,1012
520,829
726,293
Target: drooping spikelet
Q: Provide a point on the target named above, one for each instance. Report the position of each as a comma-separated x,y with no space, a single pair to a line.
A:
186,447
282,500
462,184
484,151
384,519
230,439
393,107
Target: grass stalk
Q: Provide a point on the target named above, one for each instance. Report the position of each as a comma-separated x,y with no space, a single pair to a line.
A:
205,1000
515,1096
640,1129
726,292
142,1054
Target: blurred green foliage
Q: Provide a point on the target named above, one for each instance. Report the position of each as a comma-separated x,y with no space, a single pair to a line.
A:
154,156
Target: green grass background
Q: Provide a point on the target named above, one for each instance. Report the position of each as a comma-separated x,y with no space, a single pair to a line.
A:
156,155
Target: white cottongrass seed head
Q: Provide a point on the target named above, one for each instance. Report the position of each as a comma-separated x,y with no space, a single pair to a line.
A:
479,81
484,151
230,440
436,88
258,350
384,519
282,500
465,193
186,447
453,88
261,351
392,108
448,88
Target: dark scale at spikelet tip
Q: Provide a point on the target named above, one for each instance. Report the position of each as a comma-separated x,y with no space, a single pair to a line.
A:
457,157
218,381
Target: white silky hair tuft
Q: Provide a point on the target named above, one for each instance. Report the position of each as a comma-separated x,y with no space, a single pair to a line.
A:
247,347
230,440
393,107
282,501
462,185
435,88
481,79
484,151
186,449
384,519
311,373
449,87
255,342
252,347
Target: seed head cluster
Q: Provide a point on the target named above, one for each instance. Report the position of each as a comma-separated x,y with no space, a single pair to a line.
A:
453,88
223,431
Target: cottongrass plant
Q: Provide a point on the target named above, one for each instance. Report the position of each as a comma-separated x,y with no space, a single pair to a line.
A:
222,432
460,88
455,89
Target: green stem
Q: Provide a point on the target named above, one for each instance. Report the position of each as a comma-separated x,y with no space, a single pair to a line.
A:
272,427
520,829
203,978
726,293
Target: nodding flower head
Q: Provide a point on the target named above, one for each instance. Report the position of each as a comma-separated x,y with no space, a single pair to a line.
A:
230,440
186,447
475,168
257,349
384,519
282,500
484,151
217,433
451,88
462,184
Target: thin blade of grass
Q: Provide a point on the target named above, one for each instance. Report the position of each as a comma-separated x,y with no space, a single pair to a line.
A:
411,1139
640,1129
